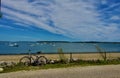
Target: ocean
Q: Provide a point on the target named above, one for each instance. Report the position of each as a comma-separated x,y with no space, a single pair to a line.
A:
21,47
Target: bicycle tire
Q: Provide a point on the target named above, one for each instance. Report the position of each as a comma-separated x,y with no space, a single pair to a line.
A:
42,60
26,60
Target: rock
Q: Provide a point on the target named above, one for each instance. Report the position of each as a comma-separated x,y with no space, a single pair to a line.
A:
52,62
1,69
2,64
6,64
75,59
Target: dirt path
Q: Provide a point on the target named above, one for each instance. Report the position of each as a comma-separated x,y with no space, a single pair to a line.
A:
107,71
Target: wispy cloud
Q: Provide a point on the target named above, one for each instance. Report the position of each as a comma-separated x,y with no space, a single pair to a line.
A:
110,7
77,19
8,27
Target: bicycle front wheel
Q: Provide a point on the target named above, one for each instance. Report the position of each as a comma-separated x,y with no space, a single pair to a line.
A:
42,60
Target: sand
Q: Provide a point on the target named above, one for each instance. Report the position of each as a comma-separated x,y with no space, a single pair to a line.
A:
90,56
105,71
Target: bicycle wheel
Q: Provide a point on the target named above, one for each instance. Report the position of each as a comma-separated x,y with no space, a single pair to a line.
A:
42,60
27,61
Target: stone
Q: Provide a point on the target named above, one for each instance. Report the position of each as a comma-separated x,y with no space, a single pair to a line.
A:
1,69
52,62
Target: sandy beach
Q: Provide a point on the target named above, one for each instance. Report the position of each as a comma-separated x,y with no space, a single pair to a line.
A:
84,56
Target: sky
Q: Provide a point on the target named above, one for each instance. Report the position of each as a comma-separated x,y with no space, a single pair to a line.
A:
60,20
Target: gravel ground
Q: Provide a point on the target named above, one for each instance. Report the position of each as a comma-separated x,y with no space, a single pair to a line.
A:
106,71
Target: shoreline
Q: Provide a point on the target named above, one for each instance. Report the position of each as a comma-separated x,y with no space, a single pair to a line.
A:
83,56
58,53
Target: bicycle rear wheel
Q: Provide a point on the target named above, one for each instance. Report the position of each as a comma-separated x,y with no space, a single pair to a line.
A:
27,61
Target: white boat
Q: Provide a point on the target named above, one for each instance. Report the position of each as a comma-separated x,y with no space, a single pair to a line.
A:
41,44
53,45
13,45
32,45
37,43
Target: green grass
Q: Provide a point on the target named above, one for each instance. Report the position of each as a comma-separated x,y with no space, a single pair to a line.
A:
19,67
27,68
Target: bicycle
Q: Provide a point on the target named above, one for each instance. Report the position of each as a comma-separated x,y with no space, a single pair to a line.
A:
33,60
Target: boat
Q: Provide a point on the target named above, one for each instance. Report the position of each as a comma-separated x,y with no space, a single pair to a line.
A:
13,45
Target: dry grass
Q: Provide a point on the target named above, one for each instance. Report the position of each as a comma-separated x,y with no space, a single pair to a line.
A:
90,56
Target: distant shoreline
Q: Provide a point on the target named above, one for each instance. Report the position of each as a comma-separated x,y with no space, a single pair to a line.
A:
67,41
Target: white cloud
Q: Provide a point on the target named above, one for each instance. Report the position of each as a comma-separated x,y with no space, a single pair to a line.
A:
110,6
77,19
104,2
115,17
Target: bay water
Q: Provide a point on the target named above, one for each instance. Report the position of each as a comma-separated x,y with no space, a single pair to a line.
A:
7,47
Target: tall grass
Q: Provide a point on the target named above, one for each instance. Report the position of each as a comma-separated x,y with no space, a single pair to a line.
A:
102,52
62,57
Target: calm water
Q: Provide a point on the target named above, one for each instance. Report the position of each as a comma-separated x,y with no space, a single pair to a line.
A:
52,47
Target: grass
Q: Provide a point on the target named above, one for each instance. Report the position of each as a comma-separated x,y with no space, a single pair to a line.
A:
28,68
19,67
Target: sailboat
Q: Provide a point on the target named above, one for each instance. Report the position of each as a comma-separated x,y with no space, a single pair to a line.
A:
13,45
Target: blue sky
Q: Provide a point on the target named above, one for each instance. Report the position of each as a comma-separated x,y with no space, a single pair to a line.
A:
69,20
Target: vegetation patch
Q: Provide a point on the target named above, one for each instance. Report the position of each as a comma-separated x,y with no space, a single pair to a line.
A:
60,64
